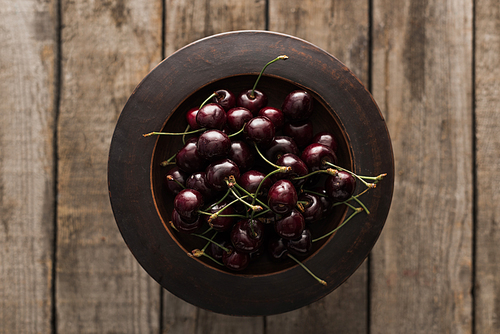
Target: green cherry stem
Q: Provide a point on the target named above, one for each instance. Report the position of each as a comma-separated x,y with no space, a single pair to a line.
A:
171,178
210,240
238,132
356,211
208,99
184,135
282,57
251,206
168,161
307,269
328,171
173,133
263,157
251,195
314,193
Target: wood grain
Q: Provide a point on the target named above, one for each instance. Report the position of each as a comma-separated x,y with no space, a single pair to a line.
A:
340,28
27,126
107,48
422,79
487,104
183,25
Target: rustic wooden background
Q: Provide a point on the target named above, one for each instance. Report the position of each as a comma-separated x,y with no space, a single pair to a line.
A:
67,68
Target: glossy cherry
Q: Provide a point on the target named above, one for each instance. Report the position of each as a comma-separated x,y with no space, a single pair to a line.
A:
340,187
315,156
251,180
276,248
177,175
282,197
260,129
247,235
326,201
213,144
198,181
313,207
218,172
211,116
221,224
241,154
274,114
298,105
225,98
301,132
187,203
191,118
253,102
327,139
299,168
290,226
234,259
237,117
189,159
280,145
186,226
302,245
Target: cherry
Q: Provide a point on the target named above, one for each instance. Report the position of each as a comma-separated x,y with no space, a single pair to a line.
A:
260,129
187,203
326,202
221,224
188,158
247,235
340,187
198,181
186,226
211,116
301,246
225,98
279,146
313,210
177,175
282,197
215,250
277,249
237,117
275,115
191,118
253,102
250,181
241,154
298,105
235,260
301,132
213,144
327,139
315,156
299,168
218,172
290,226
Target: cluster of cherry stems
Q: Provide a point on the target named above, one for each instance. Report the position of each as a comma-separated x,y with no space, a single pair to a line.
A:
234,130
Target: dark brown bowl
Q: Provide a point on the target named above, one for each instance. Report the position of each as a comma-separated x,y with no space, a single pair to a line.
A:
142,206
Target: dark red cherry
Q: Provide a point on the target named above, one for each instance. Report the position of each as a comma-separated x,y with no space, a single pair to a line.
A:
282,197
299,168
237,117
260,129
177,175
315,156
211,116
214,250
213,144
313,209
235,260
250,181
247,235
218,172
191,118
241,154
340,187
221,224
276,248
187,203
280,145
301,132
186,226
189,159
326,202
290,226
274,114
327,139
298,105
253,103
301,246
198,181
225,98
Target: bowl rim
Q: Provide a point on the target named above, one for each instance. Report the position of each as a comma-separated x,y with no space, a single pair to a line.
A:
130,160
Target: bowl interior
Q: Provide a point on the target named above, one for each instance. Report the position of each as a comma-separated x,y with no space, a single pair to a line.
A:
276,88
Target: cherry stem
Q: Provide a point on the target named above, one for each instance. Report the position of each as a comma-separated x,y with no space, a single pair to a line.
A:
211,258
314,193
264,158
251,195
173,133
238,132
356,211
169,161
262,182
252,93
356,199
307,269
328,171
184,135
171,178
210,240
208,99
251,206
220,201
369,185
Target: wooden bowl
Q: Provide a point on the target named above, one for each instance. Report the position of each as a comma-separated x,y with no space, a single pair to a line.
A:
142,206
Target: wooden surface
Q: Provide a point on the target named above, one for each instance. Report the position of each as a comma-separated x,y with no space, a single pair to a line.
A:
67,68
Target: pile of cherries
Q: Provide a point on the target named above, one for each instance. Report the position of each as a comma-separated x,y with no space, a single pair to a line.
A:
252,178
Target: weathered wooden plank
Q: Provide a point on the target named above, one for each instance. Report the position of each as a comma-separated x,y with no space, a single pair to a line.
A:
341,28
422,80
107,48
185,24
27,123
487,85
